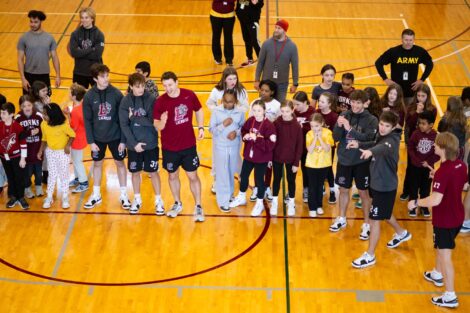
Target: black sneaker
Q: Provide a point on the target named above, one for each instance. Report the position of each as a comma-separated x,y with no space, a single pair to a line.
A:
404,196
24,205
332,198
12,202
412,212
425,212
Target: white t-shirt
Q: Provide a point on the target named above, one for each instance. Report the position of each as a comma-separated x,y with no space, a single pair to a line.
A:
273,109
215,99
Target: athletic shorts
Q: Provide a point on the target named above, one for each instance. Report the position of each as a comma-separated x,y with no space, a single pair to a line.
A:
359,172
146,160
382,204
444,238
113,147
186,158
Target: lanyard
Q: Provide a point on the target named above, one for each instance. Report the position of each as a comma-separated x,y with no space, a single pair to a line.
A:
253,124
282,49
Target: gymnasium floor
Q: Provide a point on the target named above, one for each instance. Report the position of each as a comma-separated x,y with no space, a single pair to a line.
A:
105,260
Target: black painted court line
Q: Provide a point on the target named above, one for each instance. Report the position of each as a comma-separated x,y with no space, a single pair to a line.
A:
70,21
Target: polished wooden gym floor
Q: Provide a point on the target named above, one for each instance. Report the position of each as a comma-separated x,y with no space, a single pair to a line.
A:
105,260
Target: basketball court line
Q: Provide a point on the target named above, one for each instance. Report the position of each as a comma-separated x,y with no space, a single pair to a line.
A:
461,60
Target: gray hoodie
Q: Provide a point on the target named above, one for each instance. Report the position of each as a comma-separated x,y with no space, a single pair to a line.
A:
86,47
139,127
384,163
100,114
364,127
220,132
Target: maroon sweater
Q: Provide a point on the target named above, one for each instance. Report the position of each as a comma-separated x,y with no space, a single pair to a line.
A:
289,143
421,148
261,149
33,142
223,6
11,144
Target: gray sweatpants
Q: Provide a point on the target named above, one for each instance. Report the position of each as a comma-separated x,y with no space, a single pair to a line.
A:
226,161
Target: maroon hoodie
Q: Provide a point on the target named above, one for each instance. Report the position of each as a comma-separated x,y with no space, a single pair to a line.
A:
289,143
261,149
421,148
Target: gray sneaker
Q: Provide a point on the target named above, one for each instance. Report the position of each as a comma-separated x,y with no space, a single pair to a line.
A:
28,193
74,183
176,208
198,214
81,188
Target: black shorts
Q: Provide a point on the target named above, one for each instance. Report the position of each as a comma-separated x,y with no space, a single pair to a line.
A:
31,78
146,160
113,147
85,81
186,158
444,238
360,173
382,204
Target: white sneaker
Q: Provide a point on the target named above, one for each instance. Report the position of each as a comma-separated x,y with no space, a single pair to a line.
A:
320,211
312,213
258,208
175,209
92,201
28,193
338,223
305,195
268,194
447,300
136,206
125,202
365,232
159,207
240,199
254,194
47,203
291,207
363,261
198,214
65,202
274,207
398,239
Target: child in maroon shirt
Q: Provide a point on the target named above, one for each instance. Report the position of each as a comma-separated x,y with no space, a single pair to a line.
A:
31,121
344,103
287,152
448,214
303,112
421,159
13,155
259,136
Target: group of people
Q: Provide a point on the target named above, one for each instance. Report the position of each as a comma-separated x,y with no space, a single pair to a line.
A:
279,136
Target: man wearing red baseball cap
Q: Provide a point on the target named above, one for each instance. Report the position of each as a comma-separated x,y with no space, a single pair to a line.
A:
276,54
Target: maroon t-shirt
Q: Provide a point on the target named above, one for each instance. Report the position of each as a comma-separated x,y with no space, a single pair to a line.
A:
343,99
449,180
330,119
178,133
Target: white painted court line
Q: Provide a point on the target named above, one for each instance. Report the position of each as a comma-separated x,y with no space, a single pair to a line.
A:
207,15
428,81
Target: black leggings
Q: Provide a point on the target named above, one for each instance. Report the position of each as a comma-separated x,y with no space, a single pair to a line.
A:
277,171
225,24
250,31
316,179
260,170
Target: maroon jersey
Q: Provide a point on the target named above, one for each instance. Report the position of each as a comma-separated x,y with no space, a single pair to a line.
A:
343,99
449,180
11,144
178,133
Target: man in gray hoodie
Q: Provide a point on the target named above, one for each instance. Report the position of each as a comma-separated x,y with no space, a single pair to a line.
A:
101,118
356,124
136,120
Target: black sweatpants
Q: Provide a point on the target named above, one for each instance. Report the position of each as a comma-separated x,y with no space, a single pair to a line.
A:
419,182
290,176
250,30
316,179
260,170
15,176
226,24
